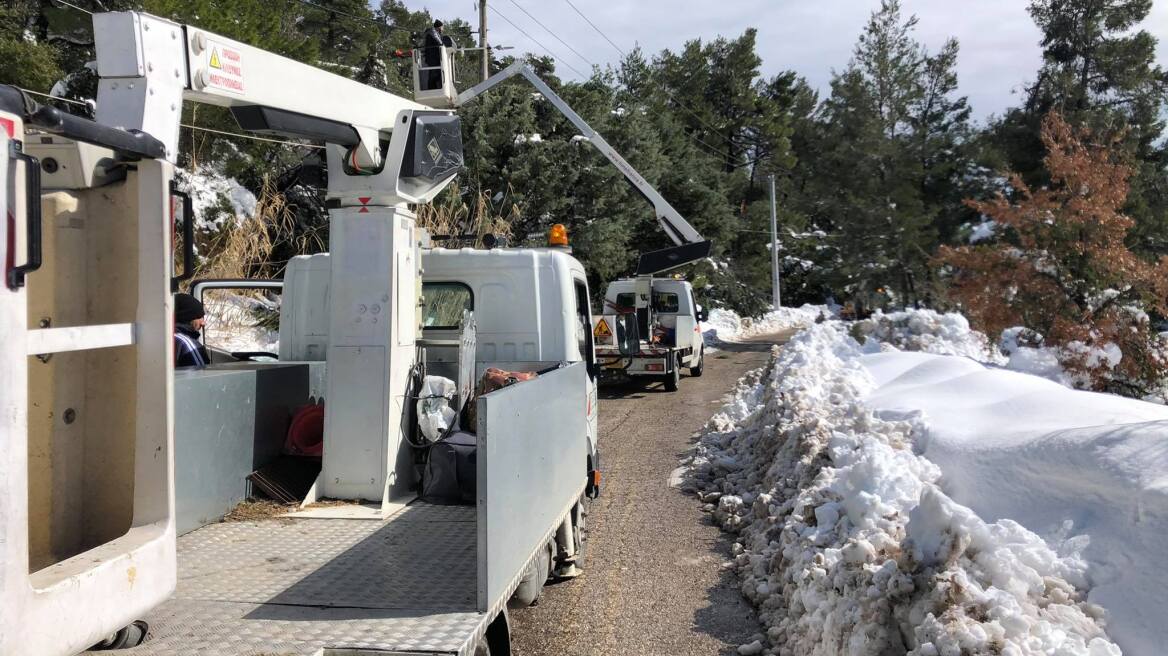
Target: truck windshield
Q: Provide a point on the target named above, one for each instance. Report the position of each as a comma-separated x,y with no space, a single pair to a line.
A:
444,303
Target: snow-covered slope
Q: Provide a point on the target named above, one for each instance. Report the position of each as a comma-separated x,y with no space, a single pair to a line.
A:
1089,470
903,502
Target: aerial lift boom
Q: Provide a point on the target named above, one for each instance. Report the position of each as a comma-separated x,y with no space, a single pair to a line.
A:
690,246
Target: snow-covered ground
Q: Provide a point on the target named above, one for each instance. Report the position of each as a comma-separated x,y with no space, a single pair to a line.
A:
929,502
232,324
726,326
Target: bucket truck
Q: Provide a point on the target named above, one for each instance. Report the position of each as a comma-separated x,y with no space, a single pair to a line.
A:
650,326
109,453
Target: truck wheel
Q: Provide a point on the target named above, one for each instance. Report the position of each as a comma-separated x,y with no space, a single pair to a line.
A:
497,641
697,370
534,578
581,531
126,637
673,378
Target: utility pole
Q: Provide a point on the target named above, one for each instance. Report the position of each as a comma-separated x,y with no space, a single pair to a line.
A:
486,54
775,294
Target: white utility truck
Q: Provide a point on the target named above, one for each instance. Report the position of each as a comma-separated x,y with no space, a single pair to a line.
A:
668,330
99,430
666,333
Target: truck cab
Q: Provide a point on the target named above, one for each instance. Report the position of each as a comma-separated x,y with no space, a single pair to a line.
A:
529,306
667,323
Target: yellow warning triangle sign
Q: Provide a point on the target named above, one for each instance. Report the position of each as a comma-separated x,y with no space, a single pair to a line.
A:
215,58
602,329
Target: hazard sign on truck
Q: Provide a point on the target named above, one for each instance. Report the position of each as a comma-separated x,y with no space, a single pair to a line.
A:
224,70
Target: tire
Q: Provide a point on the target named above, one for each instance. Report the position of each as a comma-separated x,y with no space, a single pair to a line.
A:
580,533
126,637
672,379
498,637
527,594
483,648
700,368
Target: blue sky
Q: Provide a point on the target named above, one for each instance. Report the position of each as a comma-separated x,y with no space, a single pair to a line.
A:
999,43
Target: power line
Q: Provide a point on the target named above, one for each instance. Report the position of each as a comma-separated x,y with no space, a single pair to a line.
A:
726,157
51,97
536,41
241,135
62,2
549,31
598,30
338,12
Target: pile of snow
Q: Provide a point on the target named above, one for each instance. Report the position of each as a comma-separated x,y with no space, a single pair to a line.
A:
726,326
216,198
929,332
897,502
1024,355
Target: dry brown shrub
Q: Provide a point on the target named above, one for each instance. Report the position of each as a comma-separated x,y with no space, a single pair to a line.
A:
1064,270
452,215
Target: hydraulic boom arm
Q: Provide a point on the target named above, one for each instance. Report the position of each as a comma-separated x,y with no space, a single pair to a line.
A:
677,228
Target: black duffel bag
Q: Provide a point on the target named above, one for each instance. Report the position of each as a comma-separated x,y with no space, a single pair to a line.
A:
451,472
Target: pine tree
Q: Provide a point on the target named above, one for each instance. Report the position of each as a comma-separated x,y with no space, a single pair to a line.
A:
886,161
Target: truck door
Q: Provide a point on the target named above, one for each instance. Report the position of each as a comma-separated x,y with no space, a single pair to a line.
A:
698,318
587,351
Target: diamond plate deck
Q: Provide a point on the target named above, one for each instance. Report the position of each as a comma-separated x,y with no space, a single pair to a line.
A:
296,586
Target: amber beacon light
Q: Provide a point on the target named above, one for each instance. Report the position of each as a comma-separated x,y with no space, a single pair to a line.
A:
558,235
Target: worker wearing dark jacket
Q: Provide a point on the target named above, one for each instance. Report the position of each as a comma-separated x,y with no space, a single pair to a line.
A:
188,322
432,56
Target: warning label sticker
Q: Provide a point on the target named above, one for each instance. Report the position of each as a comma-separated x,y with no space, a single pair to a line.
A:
602,329
224,68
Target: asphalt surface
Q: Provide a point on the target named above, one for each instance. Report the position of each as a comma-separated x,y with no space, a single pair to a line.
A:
653,582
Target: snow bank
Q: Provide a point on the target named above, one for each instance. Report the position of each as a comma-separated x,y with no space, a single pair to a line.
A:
850,542
726,326
1087,471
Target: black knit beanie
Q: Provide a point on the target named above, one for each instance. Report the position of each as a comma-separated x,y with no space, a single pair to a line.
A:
187,308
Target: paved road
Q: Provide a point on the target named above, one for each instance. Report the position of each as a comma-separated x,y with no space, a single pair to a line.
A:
653,583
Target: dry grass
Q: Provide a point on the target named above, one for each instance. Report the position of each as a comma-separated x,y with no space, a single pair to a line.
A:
333,503
244,249
454,216
250,510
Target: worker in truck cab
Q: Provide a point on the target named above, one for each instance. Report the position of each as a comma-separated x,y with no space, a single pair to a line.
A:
188,324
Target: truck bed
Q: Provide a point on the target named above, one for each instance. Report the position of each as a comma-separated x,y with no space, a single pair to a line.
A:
289,586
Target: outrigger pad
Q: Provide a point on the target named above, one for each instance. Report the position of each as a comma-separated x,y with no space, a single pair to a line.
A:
667,259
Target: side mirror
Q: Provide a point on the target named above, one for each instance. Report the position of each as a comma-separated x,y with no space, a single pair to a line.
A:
701,314
593,369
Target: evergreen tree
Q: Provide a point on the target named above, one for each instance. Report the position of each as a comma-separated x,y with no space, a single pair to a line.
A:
886,171
1099,72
